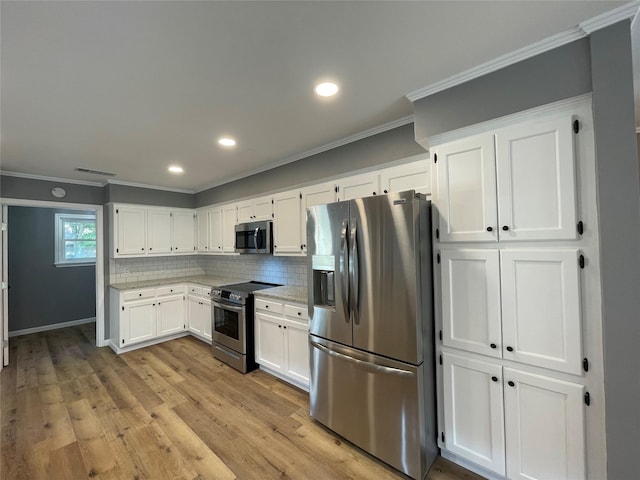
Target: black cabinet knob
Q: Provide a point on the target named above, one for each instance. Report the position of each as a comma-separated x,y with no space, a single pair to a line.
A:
284,327
489,229
511,384
386,191
299,313
509,349
494,378
374,193
505,227
279,326
493,345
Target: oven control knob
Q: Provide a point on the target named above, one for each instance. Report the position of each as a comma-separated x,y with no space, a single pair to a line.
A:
216,292
235,296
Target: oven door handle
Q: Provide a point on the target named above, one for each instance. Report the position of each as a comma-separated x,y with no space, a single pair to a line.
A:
226,306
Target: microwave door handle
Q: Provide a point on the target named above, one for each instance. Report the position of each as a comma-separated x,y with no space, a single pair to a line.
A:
344,268
255,238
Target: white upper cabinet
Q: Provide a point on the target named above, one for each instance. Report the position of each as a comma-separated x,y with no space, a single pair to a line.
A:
158,232
183,231
536,180
410,176
286,225
229,219
541,314
544,427
358,186
254,210
202,231
312,196
129,231
516,183
471,300
215,230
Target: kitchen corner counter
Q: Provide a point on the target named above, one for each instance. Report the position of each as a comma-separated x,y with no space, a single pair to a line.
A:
205,280
286,293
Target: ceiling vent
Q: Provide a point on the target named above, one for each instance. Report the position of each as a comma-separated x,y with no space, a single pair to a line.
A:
95,172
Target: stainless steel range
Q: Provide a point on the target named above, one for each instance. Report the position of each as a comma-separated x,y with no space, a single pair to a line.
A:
232,324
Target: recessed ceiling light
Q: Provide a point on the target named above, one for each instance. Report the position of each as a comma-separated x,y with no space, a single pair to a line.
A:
227,142
175,169
326,89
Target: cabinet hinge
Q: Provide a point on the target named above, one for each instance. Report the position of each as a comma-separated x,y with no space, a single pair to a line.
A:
585,364
272,201
440,359
580,227
337,189
300,195
438,258
576,126
587,399
442,436
440,335
123,309
273,215
171,214
437,233
581,261
435,158
194,247
117,211
123,341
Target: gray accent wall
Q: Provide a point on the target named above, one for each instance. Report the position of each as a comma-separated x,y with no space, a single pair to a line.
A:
147,196
384,147
600,64
32,189
40,293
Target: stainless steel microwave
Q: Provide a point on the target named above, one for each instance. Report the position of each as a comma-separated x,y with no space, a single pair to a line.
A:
254,237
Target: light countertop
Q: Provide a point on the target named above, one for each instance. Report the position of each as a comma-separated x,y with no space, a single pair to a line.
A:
286,293
205,280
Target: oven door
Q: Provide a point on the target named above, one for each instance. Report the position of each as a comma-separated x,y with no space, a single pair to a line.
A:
229,325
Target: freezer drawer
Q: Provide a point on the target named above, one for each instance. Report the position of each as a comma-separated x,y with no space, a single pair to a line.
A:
374,402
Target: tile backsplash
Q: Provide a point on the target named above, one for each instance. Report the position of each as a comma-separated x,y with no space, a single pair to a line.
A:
264,268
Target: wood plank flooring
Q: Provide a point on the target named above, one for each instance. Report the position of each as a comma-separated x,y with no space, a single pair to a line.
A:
170,411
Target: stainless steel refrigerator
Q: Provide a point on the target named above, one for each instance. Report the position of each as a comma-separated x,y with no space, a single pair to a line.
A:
371,326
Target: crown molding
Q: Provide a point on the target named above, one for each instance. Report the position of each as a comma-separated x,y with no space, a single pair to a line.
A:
51,179
329,146
152,187
584,29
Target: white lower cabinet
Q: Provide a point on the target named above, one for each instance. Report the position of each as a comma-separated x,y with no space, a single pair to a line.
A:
517,424
170,315
199,311
138,322
282,344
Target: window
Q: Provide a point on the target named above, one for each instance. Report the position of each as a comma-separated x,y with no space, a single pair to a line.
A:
75,239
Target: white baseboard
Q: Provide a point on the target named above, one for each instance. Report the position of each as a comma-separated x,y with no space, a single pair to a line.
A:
54,326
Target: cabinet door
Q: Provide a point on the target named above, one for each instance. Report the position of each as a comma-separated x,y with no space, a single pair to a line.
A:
194,307
464,189
311,197
159,232
412,176
358,186
473,411
202,226
215,230
131,231
296,340
229,220
536,180
245,211
170,315
541,308
138,322
205,312
262,208
286,223
183,232
269,342
471,300
545,427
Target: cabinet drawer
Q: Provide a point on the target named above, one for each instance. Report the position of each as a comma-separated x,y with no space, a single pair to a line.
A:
169,290
195,290
297,312
269,306
138,294
206,291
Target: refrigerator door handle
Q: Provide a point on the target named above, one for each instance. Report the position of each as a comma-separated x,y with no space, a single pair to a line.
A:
344,266
354,268
372,367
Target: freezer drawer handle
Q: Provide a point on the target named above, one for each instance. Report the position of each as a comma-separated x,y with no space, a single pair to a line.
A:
361,363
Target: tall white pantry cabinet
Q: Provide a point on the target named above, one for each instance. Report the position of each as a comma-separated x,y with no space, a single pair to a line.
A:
518,296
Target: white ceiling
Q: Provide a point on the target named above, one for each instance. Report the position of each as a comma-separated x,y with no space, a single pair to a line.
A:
131,87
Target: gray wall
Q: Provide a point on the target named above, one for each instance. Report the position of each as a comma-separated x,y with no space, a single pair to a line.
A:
385,147
601,64
30,189
40,293
147,196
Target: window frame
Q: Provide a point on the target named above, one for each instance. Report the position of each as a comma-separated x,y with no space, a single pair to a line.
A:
59,247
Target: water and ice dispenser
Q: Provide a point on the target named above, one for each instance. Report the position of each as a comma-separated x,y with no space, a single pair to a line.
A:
324,286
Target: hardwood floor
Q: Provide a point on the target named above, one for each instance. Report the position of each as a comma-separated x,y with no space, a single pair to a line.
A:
171,411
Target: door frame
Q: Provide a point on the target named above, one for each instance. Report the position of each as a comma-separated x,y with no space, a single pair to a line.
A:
100,232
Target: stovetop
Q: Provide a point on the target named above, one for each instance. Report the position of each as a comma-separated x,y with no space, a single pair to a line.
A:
248,287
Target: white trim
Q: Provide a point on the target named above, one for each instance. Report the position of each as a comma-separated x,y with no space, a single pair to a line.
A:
634,21
50,179
483,127
100,308
152,187
148,343
314,151
586,28
53,326
605,19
